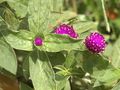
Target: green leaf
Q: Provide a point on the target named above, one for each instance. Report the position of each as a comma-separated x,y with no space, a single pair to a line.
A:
58,18
116,87
56,58
8,59
116,23
41,73
23,86
92,62
25,67
57,5
108,50
39,14
22,40
107,77
9,18
78,22
70,59
116,54
56,43
99,68
2,24
67,86
63,71
83,35
61,82
46,17
20,7
110,75
2,1
83,26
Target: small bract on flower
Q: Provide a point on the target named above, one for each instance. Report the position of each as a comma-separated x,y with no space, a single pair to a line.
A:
38,41
66,29
95,42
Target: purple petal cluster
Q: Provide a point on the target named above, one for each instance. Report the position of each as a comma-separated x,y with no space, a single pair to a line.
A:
95,42
66,29
38,41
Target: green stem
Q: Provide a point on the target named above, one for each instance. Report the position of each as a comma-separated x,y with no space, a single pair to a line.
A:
74,5
105,16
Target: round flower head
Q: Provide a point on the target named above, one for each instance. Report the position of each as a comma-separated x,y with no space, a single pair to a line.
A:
95,42
38,41
66,29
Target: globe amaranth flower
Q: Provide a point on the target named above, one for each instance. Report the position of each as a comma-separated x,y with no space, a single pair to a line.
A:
38,41
95,42
66,29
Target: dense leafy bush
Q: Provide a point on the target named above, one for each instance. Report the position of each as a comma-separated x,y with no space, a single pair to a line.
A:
43,44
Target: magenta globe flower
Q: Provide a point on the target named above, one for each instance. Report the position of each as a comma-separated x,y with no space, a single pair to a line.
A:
95,42
38,41
66,29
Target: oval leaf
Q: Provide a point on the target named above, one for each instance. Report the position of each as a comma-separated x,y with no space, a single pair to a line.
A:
41,72
21,40
8,59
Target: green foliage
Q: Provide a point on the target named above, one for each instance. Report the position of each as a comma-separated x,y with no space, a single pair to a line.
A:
115,54
67,87
62,62
116,87
9,18
55,43
39,15
7,57
41,72
21,40
24,87
20,7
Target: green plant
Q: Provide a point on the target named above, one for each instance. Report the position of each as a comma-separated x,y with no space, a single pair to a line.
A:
42,45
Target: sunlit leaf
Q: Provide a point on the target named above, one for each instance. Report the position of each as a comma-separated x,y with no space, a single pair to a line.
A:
41,72
21,40
116,54
8,59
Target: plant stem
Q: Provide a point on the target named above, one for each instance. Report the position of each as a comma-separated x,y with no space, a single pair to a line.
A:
74,5
105,16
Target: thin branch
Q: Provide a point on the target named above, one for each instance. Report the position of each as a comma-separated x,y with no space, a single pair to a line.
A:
105,16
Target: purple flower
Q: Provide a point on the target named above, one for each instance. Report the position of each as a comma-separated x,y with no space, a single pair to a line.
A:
38,41
95,42
66,29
